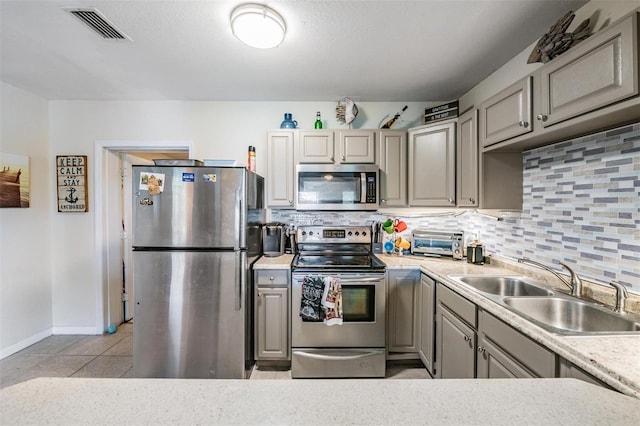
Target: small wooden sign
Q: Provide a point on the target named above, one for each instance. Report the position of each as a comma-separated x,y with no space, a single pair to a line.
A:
73,196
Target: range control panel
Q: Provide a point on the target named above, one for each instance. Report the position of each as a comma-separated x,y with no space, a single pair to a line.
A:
334,234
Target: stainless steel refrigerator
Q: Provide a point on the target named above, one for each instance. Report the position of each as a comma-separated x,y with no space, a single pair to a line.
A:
196,234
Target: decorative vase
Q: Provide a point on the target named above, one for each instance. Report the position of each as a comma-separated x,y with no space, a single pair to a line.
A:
288,123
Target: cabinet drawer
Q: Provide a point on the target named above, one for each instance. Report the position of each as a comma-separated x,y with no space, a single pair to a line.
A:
457,304
272,277
538,359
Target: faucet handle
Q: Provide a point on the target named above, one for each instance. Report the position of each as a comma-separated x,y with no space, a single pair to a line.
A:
621,296
576,282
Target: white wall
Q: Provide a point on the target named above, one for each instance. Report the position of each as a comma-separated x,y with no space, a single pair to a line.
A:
25,249
217,130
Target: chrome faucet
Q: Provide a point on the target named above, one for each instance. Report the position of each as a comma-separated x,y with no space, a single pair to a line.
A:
621,296
575,284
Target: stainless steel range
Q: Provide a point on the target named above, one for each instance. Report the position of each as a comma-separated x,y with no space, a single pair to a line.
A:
355,348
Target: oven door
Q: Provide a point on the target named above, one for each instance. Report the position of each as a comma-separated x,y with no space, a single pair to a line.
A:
363,301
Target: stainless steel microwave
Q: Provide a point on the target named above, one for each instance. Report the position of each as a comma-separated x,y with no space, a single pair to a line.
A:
336,187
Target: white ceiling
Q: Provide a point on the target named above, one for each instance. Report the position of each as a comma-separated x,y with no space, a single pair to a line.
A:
391,50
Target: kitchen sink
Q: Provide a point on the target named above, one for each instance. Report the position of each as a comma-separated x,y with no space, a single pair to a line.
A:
502,285
571,316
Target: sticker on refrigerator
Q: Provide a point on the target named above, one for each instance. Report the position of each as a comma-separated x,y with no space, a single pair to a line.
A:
188,177
211,177
152,182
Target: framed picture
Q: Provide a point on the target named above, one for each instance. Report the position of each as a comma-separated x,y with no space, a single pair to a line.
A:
14,180
72,183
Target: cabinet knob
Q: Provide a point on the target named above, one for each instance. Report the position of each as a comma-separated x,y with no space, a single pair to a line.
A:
472,200
290,202
467,338
271,278
331,157
541,117
523,124
451,200
343,158
383,201
480,350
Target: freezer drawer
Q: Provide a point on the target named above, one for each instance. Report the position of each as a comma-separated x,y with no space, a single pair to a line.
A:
334,363
190,317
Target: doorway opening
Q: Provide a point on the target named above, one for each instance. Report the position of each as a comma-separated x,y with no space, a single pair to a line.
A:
113,190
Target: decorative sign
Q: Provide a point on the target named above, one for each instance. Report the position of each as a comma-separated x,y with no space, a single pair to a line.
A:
441,112
72,183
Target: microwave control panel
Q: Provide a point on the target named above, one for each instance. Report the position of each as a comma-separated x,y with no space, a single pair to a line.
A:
371,189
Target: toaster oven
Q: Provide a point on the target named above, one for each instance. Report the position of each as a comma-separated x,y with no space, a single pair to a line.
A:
437,243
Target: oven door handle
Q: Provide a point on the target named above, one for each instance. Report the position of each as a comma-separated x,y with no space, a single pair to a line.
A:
335,357
361,280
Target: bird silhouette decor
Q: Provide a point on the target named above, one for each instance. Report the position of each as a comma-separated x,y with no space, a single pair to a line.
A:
557,40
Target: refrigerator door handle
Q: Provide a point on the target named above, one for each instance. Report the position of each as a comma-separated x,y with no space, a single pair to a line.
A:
241,277
239,220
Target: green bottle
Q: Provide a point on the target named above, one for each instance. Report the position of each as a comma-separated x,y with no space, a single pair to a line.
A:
318,123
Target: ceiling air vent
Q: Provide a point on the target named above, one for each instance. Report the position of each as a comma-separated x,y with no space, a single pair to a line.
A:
98,23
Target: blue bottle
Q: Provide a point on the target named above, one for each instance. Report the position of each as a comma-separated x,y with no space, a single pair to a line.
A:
288,123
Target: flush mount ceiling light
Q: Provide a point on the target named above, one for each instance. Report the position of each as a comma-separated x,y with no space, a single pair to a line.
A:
258,26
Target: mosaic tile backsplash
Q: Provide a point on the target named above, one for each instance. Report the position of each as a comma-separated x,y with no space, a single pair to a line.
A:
581,206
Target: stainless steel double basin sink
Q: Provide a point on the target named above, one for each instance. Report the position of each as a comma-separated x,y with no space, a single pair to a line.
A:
555,312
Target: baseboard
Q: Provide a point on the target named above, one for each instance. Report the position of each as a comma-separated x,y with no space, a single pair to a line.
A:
24,343
76,330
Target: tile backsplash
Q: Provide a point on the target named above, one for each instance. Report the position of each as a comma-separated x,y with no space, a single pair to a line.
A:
581,206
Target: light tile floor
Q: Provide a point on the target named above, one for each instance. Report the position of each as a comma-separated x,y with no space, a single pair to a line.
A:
111,356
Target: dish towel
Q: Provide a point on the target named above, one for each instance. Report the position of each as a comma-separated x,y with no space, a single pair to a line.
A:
332,301
310,304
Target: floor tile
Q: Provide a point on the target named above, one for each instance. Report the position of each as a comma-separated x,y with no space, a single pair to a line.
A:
94,345
263,373
123,347
16,365
52,345
106,366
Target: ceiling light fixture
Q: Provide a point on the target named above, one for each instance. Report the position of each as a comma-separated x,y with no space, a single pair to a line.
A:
257,25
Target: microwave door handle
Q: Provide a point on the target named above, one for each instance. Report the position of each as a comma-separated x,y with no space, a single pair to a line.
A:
363,188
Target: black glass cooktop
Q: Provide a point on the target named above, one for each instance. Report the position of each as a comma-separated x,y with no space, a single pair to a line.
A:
304,261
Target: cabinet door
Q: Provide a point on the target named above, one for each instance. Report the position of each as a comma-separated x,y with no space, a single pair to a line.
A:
403,316
432,165
427,331
280,169
597,72
494,363
357,146
467,156
455,347
272,323
392,160
316,147
506,114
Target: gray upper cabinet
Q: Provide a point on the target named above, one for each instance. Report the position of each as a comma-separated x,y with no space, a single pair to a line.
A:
467,160
392,161
597,72
356,146
507,114
280,169
315,147
432,165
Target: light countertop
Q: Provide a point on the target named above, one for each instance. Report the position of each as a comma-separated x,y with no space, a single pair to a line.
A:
613,359
65,401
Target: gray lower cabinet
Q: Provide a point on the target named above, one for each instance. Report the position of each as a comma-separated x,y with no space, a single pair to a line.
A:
272,312
403,312
426,350
432,165
568,369
505,352
455,336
